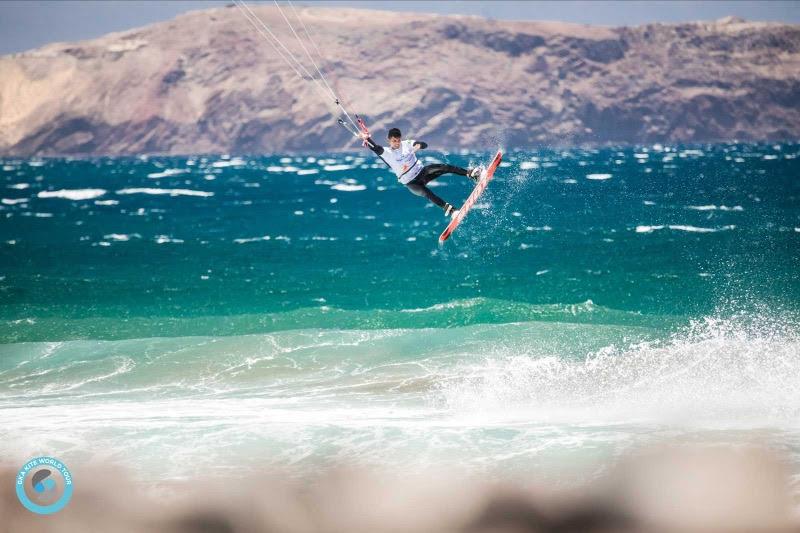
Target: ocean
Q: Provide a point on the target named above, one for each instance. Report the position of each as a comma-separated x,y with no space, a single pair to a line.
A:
183,315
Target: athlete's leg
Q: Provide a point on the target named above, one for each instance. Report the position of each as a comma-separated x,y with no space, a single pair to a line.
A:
420,189
431,172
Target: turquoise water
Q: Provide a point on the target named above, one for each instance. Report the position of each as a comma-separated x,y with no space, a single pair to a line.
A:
299,308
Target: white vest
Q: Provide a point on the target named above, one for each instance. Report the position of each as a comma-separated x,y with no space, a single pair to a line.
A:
403,161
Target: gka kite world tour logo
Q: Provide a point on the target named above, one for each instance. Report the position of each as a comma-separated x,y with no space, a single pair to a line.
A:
44,485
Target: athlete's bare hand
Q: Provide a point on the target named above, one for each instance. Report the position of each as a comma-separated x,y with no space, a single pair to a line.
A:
364,135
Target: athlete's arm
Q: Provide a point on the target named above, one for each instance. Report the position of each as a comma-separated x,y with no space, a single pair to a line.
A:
372,145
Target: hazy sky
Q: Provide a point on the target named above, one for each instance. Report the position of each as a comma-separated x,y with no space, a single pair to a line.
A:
31,23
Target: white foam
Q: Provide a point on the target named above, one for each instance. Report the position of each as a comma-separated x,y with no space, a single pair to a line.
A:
106,202
714,372
712,207
19,186
121,237
647,229
73,194
598,176
307,171
648,202
695,229
231,163
13,201
528,165
167,173
682,227
252,239
171,192
334,168
163,239
346,187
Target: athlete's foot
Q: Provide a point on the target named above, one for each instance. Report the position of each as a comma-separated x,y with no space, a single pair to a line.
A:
450,211
475,173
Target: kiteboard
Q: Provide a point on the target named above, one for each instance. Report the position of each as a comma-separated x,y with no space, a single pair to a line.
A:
484,180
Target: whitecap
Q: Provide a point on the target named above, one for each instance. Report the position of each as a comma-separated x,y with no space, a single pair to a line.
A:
346,187
691,229
121,237
307,171
598,176
334,168
13,201
252,239
528,165
683,227
167,173
163,239
19,186
171,192
647,229
231,163
106,202
73,194
712,207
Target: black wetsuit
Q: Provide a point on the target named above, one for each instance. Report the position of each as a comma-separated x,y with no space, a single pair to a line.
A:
428,173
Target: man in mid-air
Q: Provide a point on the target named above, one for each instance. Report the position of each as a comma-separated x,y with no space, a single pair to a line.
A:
401,156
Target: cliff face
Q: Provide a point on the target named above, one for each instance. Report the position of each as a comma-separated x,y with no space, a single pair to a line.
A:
206,82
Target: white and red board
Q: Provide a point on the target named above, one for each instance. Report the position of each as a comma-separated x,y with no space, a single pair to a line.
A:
486,177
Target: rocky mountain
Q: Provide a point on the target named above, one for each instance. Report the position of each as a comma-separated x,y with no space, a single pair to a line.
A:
206,82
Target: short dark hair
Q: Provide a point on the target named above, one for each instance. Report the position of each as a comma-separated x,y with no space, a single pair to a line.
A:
394,132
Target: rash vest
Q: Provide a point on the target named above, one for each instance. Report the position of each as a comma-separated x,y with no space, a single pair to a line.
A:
403,161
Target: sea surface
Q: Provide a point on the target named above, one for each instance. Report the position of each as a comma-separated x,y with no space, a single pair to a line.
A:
186,315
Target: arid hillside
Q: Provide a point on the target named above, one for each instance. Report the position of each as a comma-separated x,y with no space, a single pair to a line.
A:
206,82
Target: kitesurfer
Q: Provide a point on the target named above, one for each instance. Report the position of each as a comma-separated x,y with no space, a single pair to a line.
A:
401,157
